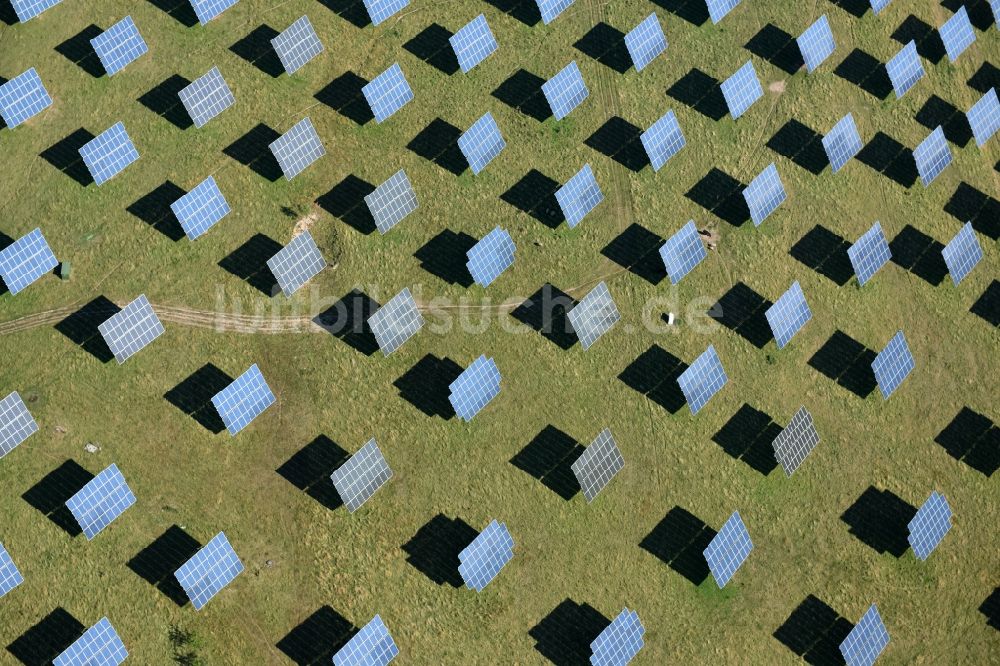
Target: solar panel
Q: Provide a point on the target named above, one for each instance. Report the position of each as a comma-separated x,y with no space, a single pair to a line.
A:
957,34
392,201
892,365
842,143
598,464
930,525
296,263
99,646
816,44
358,479
119,45
387,93
788,314
579,196
962,253
380,10
491,256
206,97
22,97
984,117
482,560
869,253
372,646
764,194
107,154
594,315
131,329
25,260
10,577
297,44
796,441
565,91
879,5
905,69
474,388
396,322
932,156
663,140
620,641
741,90
866,641
703,379
297,148
101,501
718,9
29,9
682,252
645,42
550,9
209,570
201,208
244,400
995,6
728,550
481,142
16,423
206,10
473,43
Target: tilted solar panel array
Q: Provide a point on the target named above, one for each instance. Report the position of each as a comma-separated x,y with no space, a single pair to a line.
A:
957,34
491,256
387,93
932,156
206,10
703,379
663,140
788,315
995,6
474,388
816,44
297,44
620,641
358,478
879,5
10,577
594,315
598,464
201,208
25,260
130,330
550,9
565,91
764,194
101,501
119,45
742,89
23,97
842,143
482,560
929,526
16,423
717,9
866,641
380,10
905,69
728,550
892,365
206,97
645,42
296,263
297,148
29,9
580,195
99,646
795,441
481,143
372,646
682,252
107,154
391,201
962,253
869,253
396,322
473,43
210,570
984,117
243,400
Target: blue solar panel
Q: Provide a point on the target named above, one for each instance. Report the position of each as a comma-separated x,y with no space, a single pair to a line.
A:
728,550
764,194
816,44
297,148
550,9
962,253
396,322
380,10
663,140
25,260
984,117
866,641
482,560
682,252
703,379
620,641
206,97
357,479
645,42
99,646
473,43
932,156
742,89
594,315
387,93
565,91
22,97
296,263
119,45
579,196
16,423
481,143
788,314
842,143
107,154
491,256
10,577
879,5
242,401
101,501
930,525
29,9
995,6
957,34
211,569
130,330
297,44
598,464
201,208
474,388
718,9
372,646
392,201
206,10
869,253
892,365
905,69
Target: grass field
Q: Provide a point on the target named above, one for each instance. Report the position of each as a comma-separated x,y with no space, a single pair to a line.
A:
312,570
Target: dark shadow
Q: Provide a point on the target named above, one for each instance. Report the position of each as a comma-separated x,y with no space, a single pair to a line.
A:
814,631
179,10
980,14
317,638
438,143
564,635
638,250
920,254
879,519
968,204
154,209
973,439
50,494
253,150
434,549
157,562
777,47
444,257
549,458
193,396
9,17
346,201
523,91
545,312
866,72
425,385
680,540
248,262
856,8
5,241
654,374
347,320
985,78
535,194
164,101
747,436
801,145
987,305
991,609
344,96
701,92
78,50
929,44
890,158
81,327
847,362
721,194
257,50
694,12
47,639
937,112
432,46
619,139
310,468
826,253
352,11
65,156
606,45
525,11
741,310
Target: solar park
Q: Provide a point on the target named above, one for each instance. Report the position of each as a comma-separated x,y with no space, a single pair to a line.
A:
492,332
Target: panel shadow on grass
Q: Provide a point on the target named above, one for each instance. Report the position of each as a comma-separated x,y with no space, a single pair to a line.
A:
679,540
722,195
654,374
157,562
317,638
347,320
164,101
535,194
637,249
522,91
814,631
694,12
968,204
49,495
973,439
991,609
777,47
620,140
256,49
929,44
78,50
747,436
253,150
81,327
193,396
64,155
701,92
741,310
985,78
856,8
826,253
352,11
890,158
47,639
153,208
980,14
346,201
564,635
432,46
9,17
866,72
919,254
444,256
344,95
179,10
434,549
525,11
847,362
545,312
438,143
606,45
310,468
549,457
248,262
425,385
802,145
937,112
879,519
5,241
987,305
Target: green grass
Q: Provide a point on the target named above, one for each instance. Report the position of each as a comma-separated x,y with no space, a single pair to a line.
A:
299,556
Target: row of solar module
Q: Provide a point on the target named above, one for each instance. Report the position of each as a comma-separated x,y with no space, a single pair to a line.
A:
205,10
